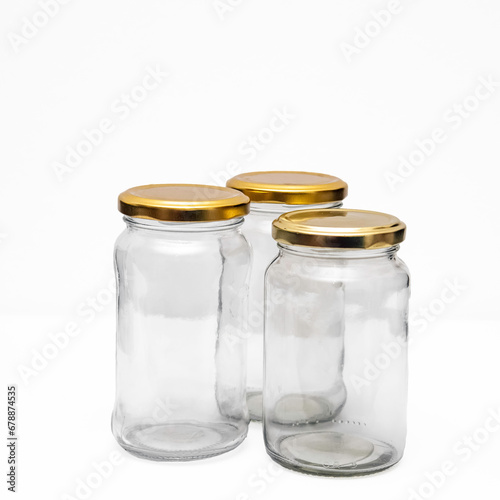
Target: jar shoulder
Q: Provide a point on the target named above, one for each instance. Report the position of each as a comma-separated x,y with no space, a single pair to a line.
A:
321,268
190,244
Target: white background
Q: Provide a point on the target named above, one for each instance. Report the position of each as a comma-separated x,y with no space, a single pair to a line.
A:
223,75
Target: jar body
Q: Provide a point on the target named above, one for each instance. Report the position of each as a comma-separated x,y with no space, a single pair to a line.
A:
181,355
258,232
336,344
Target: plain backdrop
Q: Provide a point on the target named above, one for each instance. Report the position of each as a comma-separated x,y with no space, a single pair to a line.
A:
401,99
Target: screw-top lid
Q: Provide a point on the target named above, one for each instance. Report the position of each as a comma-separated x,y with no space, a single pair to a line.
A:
291,188
339,228
183,202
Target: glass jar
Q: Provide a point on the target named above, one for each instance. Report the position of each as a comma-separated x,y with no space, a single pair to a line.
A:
273,194
336,339
182,268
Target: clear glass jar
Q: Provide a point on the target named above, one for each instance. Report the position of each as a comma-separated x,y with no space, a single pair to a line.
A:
182,268
336,340
273,194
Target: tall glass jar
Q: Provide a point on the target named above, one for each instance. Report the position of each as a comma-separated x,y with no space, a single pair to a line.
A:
336,322
273,194
182,268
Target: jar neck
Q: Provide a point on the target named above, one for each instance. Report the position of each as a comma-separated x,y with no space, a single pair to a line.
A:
338,253
282,208
136,223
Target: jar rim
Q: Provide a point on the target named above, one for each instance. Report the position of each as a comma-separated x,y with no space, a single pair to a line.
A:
182,226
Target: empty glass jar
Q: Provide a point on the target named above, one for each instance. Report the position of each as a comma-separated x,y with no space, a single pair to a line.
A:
336,341
273,194
182,268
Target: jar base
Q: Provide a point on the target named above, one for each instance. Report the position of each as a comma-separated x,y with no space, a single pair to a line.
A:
254,403
179,442
302,409
297,409
334,454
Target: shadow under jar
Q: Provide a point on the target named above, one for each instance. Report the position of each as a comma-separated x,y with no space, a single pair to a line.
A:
337,316
182,269
272,194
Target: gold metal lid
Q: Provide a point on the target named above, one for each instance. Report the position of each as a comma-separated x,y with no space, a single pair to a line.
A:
291,188
183,203
339,228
